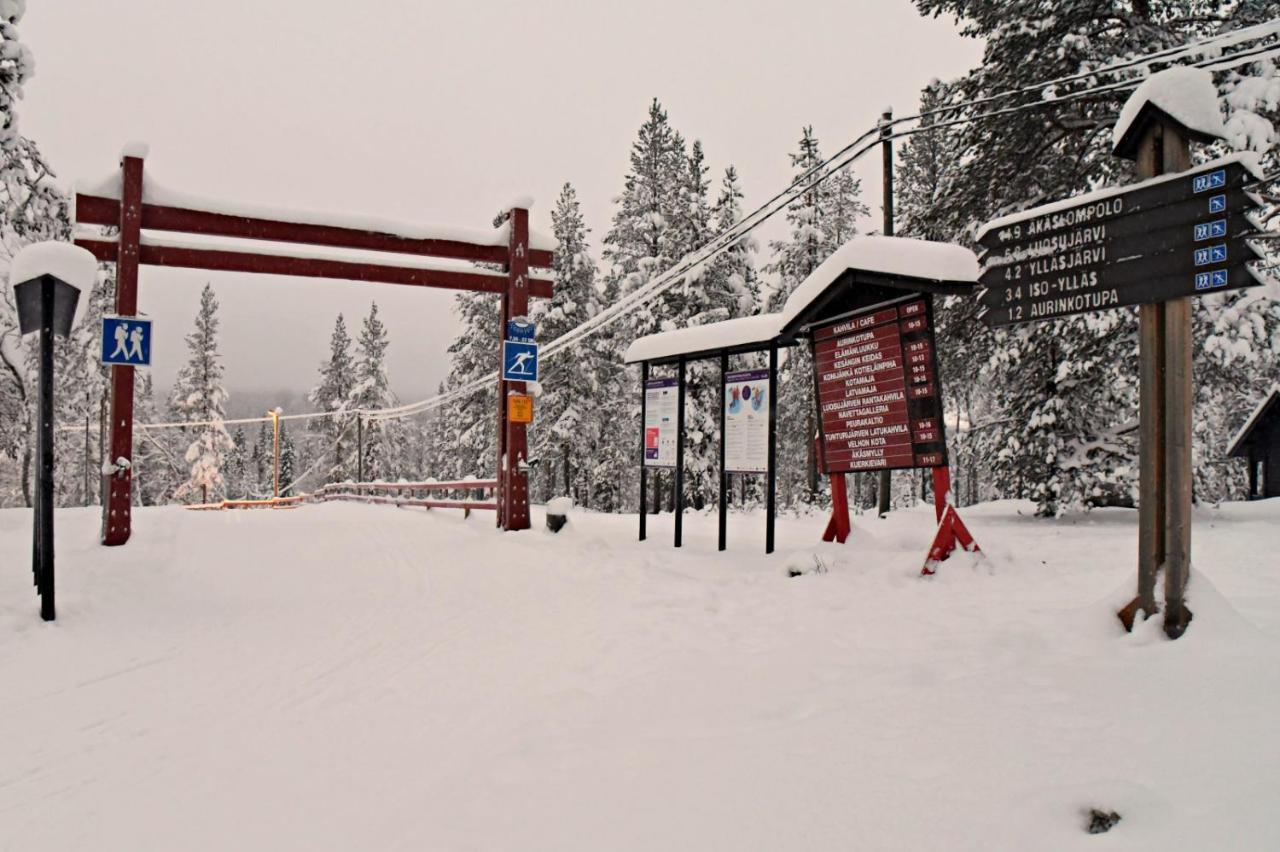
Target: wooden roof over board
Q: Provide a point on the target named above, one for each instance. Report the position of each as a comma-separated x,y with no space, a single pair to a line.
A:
1265,416
865,271
869,270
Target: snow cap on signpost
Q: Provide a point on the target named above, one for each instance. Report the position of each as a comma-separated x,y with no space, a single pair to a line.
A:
69,264
1183,95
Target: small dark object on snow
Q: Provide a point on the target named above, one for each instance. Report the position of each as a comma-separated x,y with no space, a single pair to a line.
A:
556,522
1101,821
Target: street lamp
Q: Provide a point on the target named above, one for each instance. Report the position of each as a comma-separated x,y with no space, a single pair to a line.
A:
47,279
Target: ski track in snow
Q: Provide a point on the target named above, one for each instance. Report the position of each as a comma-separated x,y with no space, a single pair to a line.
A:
362,677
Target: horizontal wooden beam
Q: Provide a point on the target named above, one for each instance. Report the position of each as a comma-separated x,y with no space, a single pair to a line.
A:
463,484
306,267
96,210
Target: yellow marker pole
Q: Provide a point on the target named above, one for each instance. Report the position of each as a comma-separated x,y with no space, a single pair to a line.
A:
275,452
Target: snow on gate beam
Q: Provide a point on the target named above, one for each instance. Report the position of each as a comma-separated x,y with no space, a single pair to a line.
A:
272,264
97,210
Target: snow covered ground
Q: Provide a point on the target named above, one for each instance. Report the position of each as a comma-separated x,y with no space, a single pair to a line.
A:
355,677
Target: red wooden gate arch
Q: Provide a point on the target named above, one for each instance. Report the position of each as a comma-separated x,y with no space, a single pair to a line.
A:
133,210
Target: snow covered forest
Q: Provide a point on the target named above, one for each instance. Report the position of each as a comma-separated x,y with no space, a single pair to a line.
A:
1046,412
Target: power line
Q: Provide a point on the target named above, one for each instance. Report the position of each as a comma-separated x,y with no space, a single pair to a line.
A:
677,272
1166,55
845,156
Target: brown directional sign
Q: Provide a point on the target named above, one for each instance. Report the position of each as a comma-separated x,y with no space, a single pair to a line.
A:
1178,236
879,398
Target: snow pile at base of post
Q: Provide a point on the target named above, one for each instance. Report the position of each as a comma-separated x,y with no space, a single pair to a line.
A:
741,331
1187,94
928,261
64,261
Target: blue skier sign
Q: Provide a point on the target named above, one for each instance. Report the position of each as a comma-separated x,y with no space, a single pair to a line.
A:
519,361
126,341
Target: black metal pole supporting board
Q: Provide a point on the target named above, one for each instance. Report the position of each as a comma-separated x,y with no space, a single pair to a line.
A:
722,541
644,472
679,477
771,485
886,149
45,508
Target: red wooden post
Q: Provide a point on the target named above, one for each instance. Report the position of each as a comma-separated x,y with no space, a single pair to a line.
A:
838,526
513,444
116,518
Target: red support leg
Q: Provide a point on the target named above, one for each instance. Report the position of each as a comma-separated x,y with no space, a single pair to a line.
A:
118,486
838,527
950,528
513,444
941,491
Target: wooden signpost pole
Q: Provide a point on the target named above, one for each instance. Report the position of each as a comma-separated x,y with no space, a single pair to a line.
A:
1177,426
513,449
116,507
1164,411
1151,436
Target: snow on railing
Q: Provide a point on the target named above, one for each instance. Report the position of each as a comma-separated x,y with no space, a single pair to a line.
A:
455,494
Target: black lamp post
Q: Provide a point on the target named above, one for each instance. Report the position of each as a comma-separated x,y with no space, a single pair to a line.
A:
47,304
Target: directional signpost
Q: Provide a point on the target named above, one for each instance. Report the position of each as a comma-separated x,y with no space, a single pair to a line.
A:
1183,234
1180,233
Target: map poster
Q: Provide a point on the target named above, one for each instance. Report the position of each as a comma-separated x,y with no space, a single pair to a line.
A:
660,423
746,421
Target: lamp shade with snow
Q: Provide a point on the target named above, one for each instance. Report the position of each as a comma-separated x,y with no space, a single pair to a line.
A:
67,268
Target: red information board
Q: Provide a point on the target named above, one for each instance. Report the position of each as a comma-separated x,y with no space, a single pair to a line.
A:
878,392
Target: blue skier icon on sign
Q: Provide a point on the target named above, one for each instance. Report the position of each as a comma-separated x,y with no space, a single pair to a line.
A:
126,341
519,361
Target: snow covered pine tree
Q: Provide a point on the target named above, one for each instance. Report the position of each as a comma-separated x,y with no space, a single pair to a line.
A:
199,397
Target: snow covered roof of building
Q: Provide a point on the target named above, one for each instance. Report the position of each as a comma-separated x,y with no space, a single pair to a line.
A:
741,333
1237,447
896,262
156,193
899,262
1250,160
1185,94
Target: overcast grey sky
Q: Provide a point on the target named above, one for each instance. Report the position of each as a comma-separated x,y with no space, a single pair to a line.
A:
441,112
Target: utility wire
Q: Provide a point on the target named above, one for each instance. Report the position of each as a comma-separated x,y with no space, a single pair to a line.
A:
844,157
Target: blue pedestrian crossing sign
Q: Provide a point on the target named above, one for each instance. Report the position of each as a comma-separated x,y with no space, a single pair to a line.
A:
519,361
126,341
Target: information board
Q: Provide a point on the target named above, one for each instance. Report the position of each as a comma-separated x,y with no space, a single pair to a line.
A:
1181,235
746,421
660,423
878,393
